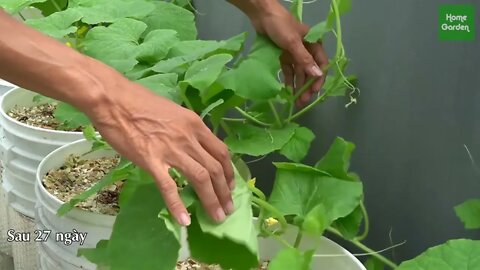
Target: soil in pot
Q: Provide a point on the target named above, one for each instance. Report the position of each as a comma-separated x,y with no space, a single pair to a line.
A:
41,115
78,175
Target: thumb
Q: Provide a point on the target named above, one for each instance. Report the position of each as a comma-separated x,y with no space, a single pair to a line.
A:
304,59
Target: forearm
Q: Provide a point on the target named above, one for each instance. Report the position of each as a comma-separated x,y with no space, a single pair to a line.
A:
44,65
255,9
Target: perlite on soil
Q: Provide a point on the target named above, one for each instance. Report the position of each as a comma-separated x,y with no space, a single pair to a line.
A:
78,175
39,116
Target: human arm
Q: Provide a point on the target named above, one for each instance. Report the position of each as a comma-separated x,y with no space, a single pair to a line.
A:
149,130
300,61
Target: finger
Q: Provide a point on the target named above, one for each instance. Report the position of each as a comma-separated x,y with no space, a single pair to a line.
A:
303,58
200,179
217,176
218,150
299,78
317,85
288,74
306,97
169,191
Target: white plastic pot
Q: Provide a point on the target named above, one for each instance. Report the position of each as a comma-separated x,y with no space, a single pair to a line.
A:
5,87
23,147
56,256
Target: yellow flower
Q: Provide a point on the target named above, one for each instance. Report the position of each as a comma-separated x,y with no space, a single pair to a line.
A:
251,182
271,221
68,44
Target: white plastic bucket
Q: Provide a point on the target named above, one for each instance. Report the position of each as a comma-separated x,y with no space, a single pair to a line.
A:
56,256
24,147
5,87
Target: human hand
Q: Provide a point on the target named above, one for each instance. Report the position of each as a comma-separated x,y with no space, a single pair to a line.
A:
300,61
157,134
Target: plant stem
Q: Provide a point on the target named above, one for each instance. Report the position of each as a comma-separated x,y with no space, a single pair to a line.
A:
227,130
270,208
234,119
304,88
361,246
338,28
275,113
257,192
307,108
366,223
55,4
251,118
185,100
298,239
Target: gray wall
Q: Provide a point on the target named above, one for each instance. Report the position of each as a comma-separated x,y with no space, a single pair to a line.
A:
419,105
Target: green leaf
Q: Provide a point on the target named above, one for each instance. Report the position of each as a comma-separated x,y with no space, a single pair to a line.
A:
121,172
169,16
101,11
48,7
349,225
115,44
156,45
211,107
317,32
202,74
139,237
256,76
374,264
164,85
337,160
14,6
460,254
97,255
335,85
230,240
256,141
139,71
70,116
57,25
291,259
298,145
469,213
298,190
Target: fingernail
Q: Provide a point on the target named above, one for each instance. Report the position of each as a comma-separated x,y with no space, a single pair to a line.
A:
185,219
220,215
229,208
316,71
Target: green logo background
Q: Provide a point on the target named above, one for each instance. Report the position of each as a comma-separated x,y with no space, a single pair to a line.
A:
456,10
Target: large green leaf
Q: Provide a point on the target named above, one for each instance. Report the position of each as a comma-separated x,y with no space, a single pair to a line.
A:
306,192
156,45
97,255
101,11
460,254
256,76
116,43
139,237
256,141
14,6
337,160
469,213
202,74
291,259
349,226
232,243
51,6
298,145
57,25
164,85
70,116
169,16
317,32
